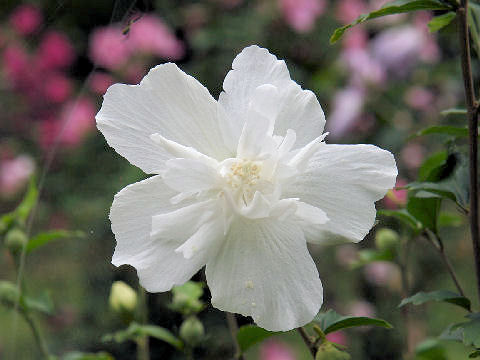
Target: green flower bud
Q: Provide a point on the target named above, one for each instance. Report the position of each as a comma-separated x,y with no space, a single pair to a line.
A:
192,331
328,351
122,297
386,239
15,240
8,293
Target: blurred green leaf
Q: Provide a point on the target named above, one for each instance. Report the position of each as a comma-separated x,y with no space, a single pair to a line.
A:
454,131
470,330
440,21
77,355
474,354
390,8
135,331
430,349
447,219
249,335
454,111
436,167
370,255
186,298
43,303
425,210
28,202
439,295
404,217
48,236
330,321
424,189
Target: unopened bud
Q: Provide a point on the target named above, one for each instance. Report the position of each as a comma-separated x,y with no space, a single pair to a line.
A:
122,297
192,331
9,293
386,239
15,240
328,351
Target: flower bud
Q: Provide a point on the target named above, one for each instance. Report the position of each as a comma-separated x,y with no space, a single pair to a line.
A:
122,297
328,351
386,239
192,331
15,240
8,293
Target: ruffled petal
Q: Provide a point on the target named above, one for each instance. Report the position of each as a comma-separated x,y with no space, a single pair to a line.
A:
264,270
295,108
169,102
344,181
158,266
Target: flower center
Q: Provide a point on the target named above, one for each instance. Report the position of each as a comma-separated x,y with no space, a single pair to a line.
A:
243,178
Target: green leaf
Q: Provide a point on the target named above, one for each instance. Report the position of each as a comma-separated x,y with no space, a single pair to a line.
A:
48,236
470,330
429,189
454,131
474,354
454,111
186,298
436,167
28,202
430,349
404,217
330,321
77,355
425,210
439,295
43,303
390,8
249,335
370,255
135,331
439,22
447,219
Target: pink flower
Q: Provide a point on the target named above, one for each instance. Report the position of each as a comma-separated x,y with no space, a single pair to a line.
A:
301,14
57,88
55,51
25,19
78,118
361,308
150,35
346,254
16,63
419,98
396,197
14,173
108,47
349,10
99,82
347,107
381,273
275,350
337,337
412,155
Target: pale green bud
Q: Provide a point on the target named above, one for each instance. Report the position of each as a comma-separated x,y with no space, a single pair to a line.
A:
386,239
122,297
328,351
15,240
192,331
8,293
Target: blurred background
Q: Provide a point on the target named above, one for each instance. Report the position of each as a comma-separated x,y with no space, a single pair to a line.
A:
381,83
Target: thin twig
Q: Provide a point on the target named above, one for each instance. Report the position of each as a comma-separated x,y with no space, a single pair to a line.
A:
472,114
143,350
233,327
307,340
37,335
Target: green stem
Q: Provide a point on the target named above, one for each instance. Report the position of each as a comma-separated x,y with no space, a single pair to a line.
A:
307,340
37,334
472,115
143,351
233,327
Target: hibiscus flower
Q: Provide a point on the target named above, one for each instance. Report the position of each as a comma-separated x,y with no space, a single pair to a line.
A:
241,185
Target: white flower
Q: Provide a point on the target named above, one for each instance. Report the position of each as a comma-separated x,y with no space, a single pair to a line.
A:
241,185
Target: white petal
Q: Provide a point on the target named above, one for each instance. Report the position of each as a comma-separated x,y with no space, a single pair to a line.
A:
254,136
345,181
186,175
311,214
205,241
167,101
264,270
297,109
158,266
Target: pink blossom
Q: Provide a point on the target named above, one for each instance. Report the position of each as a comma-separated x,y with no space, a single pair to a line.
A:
275,350
347,107
301,14
361,308
355,38
14,173
338,337
99,82
15,62
108,47
363,67
150,35
419,98
57,87
396,197
78,118
55,51
412,155
346,254
349,10
26,19
381,273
